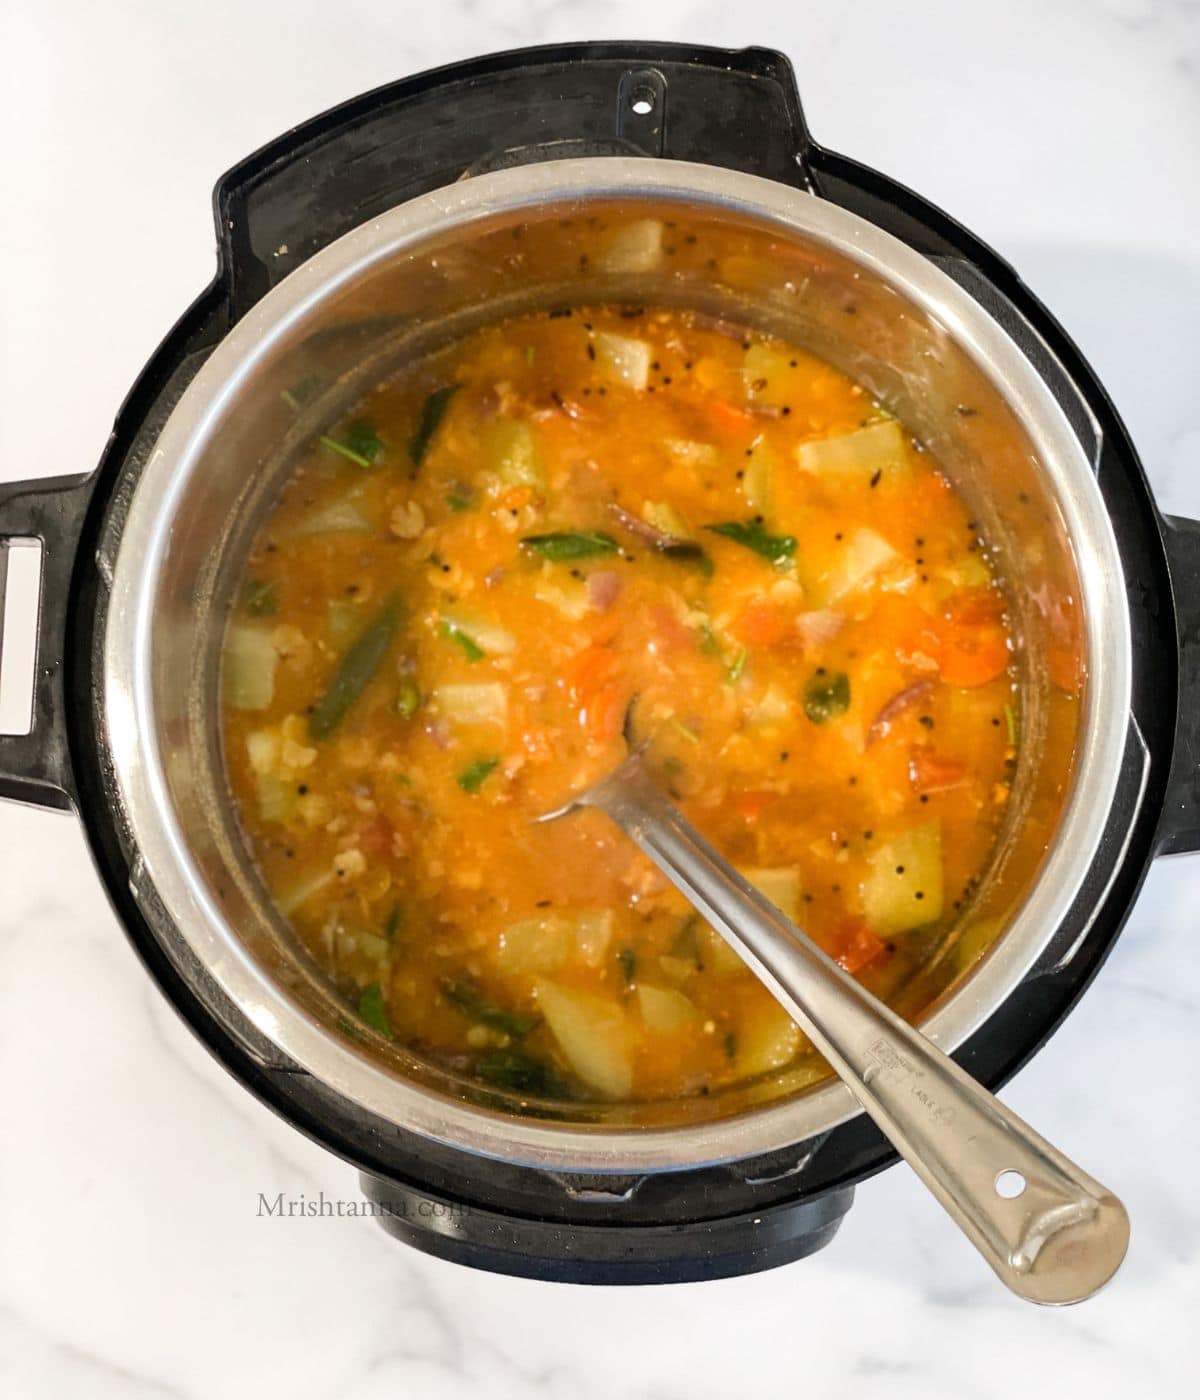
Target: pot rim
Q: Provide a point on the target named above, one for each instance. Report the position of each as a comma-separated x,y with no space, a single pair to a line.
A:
129,639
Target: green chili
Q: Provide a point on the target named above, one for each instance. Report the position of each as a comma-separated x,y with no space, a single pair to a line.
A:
474,652
259,598
357,670
372,1008
433,410
750,533
518,1070
471,779
470,1002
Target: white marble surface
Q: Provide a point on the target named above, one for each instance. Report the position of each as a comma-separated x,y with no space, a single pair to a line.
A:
131,1262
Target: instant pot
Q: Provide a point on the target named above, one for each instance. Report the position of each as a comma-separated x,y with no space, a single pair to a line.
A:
381,229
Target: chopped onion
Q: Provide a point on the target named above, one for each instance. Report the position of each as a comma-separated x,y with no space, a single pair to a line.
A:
819,625
603,589
895,707
641,528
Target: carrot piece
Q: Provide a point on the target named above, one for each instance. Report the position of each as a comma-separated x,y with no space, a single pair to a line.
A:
749,805
516,498
586,671
604,628
974,647
603,714
729,417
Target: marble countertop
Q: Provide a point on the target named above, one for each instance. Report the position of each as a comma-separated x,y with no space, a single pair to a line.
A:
131,1259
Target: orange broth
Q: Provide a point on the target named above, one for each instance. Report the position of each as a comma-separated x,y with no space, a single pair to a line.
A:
567,532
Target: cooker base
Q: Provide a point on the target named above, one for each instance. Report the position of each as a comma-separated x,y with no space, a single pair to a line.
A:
569,1252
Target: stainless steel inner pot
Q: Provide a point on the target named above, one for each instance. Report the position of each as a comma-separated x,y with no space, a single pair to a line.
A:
780,259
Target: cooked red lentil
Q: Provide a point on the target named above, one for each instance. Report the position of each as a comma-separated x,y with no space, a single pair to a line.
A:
565,531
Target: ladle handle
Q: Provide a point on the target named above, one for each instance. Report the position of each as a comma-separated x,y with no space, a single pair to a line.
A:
1051,1233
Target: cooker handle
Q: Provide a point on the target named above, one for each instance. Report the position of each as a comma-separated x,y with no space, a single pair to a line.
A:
1179,826
732,107
36,767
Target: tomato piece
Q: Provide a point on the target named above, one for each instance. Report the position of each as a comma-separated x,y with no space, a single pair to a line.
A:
761,624
749,805
604,628
929,772
857,946
974,644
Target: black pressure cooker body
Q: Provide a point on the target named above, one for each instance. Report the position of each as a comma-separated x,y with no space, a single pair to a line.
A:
738,110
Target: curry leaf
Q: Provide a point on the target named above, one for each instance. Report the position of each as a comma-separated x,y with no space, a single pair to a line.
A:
751,534
433,410
570,544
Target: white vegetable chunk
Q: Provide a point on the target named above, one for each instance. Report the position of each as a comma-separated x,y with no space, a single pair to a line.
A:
904,888
534,945
770,1041
485,703
880,447
336,517
781,885
485,632
626,360
592,1034
250,661
510,450
864,556
664,1009
634,247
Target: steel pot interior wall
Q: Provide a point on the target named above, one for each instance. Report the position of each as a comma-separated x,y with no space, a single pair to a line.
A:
740,249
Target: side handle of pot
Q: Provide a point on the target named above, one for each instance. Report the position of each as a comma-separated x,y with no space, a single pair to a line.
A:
1179,827
35,767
